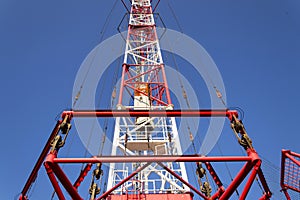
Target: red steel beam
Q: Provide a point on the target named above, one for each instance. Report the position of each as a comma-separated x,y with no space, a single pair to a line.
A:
283,152
39,162
124,69
242,174
150,113
166,84
151,96
127,159
62,177
237,181
65,182
214,175
141,74
264,183
216,179
54,182
290,156
219,192
250,180
183,181
287,195
82,175
104,195
293,153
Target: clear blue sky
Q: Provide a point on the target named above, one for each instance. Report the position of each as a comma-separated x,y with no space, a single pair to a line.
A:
255,44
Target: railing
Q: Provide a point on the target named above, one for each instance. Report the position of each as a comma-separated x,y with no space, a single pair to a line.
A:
290,172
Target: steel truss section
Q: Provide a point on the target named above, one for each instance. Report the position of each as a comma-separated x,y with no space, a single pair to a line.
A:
146,157
290,172
143,62
144,80
251,168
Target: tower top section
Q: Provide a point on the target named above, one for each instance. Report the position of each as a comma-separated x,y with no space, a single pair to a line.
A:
141,13
143,75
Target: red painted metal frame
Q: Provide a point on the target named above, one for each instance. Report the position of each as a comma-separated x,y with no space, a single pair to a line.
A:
182,180
151,113
61,176
217,180
82,175
54,182
39,162
284,183
129,159
104,195
159,95
252,161
124,70
264,183
159,92
116,113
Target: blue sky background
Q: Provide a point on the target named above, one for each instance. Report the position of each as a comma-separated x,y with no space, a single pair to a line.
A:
255,44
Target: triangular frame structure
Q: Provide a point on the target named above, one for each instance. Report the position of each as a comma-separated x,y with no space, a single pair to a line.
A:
251,168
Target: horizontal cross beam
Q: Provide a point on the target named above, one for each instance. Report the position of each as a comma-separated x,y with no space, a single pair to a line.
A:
128,159
150,113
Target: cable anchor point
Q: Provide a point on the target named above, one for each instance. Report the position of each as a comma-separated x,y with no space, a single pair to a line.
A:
238,128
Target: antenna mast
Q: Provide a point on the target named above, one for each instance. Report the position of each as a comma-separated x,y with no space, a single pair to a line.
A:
146,160
144,78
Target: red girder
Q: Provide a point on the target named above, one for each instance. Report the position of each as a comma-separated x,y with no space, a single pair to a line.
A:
141,74
160,95
124,69
151,96
39,162
82,175
214,175
166,85
250,179
134,36
54,182
61,176
182,180
151,113
132,85
252,161
129,159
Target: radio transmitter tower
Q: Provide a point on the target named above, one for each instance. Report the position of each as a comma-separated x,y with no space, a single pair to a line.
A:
146,160
143,75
